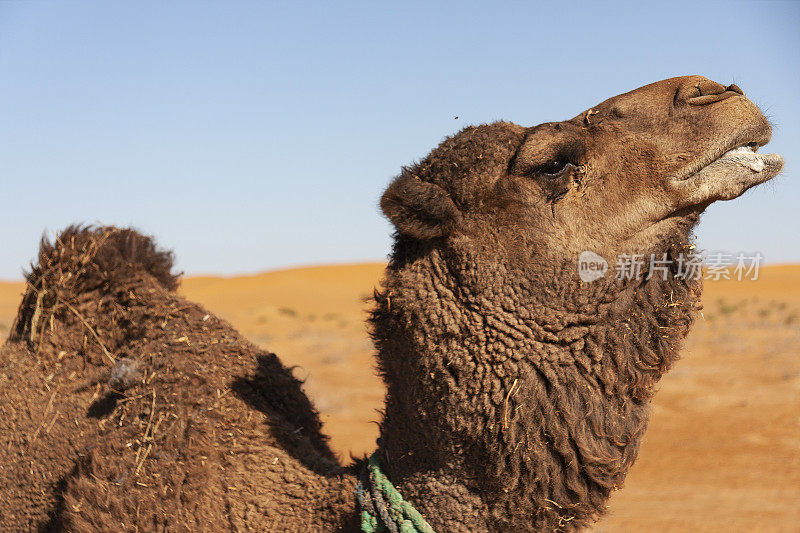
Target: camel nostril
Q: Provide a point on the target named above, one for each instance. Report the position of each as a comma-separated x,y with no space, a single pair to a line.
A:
703,91
708,87
735,88
697,87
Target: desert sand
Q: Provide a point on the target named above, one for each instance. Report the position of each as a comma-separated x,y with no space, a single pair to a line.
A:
723,449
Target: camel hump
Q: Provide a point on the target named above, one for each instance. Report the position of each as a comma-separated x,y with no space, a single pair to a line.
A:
90,260
98,255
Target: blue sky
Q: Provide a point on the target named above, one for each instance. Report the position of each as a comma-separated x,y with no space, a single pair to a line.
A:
256,135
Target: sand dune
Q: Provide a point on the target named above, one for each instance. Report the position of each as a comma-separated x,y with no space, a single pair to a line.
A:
723,449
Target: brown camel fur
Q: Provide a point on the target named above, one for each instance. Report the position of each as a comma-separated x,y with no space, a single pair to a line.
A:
124,407
517,393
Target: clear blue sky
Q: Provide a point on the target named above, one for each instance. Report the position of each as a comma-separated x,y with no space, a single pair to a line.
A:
255,135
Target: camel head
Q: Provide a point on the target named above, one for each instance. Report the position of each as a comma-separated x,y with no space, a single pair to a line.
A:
621,177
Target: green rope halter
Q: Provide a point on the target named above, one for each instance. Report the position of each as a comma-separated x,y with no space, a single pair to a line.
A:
382,507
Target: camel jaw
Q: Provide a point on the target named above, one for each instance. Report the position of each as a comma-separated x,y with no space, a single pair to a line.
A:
728,176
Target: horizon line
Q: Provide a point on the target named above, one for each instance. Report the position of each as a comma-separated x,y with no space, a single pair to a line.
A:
335,264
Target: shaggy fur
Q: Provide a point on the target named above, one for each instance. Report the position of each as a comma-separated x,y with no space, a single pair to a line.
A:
517,396
174,423
542,391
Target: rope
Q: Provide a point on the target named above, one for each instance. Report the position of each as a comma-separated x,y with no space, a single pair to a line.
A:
382,508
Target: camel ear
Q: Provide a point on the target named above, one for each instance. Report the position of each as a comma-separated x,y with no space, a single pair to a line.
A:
419,209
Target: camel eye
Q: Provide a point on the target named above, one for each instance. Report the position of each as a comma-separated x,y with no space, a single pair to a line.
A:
552,162
553,168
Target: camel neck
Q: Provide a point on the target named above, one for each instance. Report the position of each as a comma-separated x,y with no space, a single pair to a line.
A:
516,412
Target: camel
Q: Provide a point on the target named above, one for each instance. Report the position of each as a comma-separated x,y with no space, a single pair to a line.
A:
517,393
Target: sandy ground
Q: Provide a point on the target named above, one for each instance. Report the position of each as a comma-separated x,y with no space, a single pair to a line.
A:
723,449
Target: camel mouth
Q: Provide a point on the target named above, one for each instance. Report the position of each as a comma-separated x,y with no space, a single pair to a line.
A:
727,175
748,156
745,153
